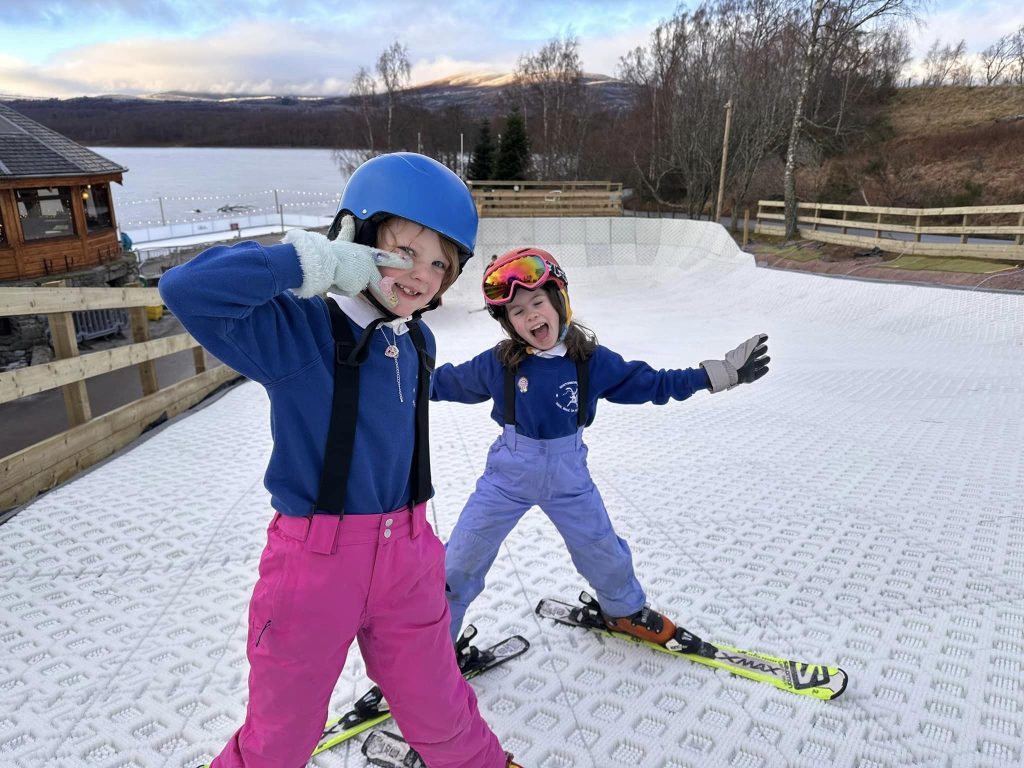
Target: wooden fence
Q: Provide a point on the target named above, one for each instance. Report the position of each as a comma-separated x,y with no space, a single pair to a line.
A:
547,198
88,440
993,233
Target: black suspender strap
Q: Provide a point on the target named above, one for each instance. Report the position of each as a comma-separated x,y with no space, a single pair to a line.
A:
341,434
582,390
510,395
420,481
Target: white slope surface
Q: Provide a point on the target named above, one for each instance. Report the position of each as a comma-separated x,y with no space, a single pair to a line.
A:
862,505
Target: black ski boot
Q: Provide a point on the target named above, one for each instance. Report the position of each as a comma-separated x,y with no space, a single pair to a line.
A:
469,656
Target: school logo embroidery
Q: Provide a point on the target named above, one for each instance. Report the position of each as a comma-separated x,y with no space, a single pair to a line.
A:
568,397
523,384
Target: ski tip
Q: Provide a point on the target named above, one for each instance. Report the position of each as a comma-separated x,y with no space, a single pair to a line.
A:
845,678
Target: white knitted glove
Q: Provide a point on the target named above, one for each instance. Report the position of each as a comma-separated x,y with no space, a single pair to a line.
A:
344,266
743,365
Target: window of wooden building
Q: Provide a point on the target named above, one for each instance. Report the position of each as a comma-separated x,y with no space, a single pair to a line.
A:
45,212
96,200
3,231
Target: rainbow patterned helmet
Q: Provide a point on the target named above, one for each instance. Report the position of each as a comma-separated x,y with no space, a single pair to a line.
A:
527,268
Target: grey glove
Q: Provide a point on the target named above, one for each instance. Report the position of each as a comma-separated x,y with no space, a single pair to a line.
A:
747,363
343,265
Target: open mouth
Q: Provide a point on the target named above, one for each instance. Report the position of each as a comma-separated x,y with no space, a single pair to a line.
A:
410,292
541,332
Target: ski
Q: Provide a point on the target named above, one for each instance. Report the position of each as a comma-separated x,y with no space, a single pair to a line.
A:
388,750
815,680
371,709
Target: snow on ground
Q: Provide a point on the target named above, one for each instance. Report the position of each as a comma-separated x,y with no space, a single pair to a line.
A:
861,505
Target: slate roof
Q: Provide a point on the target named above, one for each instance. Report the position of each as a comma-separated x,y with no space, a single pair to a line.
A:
28,149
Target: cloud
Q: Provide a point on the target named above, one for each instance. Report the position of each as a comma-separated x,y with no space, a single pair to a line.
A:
260,58
980,24
296,46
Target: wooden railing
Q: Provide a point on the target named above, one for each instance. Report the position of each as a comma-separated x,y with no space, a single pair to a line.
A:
547,198
88,440
993,233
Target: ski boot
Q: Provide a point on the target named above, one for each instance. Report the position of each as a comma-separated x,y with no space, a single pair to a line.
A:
509,763
470,657
648,625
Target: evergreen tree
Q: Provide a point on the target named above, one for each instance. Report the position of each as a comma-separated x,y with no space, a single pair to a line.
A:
513,161
482,160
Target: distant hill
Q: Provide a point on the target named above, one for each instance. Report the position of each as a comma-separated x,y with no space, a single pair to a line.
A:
175,118
923,147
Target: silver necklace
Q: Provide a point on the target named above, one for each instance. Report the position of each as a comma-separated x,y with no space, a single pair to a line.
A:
392,352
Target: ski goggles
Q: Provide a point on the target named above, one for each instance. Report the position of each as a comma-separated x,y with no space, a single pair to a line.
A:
529,271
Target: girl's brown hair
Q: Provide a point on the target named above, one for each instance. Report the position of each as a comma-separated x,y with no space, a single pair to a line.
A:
580,341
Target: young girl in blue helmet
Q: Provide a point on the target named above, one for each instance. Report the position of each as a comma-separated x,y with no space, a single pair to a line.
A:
349,553
545,380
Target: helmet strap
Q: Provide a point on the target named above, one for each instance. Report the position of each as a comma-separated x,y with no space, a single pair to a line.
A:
373,300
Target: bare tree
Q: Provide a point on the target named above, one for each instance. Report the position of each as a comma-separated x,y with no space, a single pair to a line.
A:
364,89
551,81
835,22
694,64
789,177
395,72
761,41
997,59
946,65
1017,50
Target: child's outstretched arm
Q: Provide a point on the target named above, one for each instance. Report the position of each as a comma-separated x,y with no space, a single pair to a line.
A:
469,382
747,363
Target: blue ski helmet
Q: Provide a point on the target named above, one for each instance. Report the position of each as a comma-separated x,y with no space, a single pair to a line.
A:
414,187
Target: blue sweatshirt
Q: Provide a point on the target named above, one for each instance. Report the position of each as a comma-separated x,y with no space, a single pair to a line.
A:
236,302
547,409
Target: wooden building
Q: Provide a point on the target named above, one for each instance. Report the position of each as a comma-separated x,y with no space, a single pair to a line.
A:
57,220
56,210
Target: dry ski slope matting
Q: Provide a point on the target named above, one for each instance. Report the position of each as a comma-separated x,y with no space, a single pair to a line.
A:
861,505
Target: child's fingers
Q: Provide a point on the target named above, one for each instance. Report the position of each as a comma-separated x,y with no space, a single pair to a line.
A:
395,260
384,290
347,230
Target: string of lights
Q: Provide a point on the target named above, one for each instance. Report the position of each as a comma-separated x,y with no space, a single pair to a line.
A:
235,196
214,216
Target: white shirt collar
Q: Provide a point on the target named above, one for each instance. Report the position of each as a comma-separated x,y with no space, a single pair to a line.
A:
362,312
558,350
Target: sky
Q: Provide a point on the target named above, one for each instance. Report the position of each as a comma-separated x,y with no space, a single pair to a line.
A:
304,47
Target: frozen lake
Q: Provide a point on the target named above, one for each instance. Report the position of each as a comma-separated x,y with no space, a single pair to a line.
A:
191,183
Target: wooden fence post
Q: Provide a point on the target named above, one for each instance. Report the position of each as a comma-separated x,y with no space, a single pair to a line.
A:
140,333
746,227
199,359
65,345
963,237
917,226
846,215
1020,223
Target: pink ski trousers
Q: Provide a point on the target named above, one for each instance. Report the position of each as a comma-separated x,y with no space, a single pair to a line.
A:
375,578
